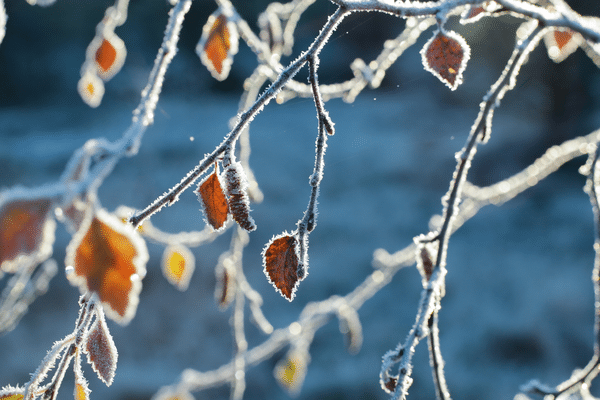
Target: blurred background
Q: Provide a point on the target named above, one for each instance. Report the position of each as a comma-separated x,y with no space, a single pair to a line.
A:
519,301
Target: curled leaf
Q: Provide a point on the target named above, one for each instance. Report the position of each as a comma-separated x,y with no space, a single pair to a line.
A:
108,258
213,200
26,230
218,44
281,265
101,350
225,288
445,55
178,265
237,199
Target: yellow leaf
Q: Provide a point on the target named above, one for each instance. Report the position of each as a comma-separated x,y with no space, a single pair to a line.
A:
178,265
291,371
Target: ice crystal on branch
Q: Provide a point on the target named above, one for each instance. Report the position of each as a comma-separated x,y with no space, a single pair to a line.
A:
81,391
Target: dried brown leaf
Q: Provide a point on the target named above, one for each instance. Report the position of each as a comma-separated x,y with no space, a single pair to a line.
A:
211,196
445,55
101,350
280,260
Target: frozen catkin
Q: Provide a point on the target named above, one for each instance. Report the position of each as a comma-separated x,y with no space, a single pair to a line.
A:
237,198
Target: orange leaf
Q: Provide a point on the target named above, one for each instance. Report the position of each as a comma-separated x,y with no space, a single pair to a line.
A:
108,55
218,44
562,38
280,259
109,259
26,231
213,200
445,55
11,394
178,265
105,55
80,392
474,13
101,350
561,43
